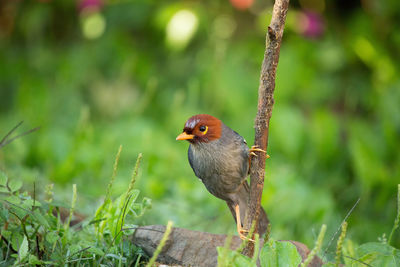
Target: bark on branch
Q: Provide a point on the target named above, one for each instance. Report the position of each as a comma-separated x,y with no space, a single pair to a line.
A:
265,104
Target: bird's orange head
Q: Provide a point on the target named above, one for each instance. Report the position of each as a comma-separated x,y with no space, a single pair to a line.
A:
201,128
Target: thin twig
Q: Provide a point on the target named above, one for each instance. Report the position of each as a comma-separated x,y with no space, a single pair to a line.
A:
341,225
38,247
366,264
80,259
5,142
10,132
142,228
397,220
265,104
79,251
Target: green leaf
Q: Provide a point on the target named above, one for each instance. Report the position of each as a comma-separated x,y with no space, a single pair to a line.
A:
74,248
13,200
329,264
102,209
6,234
16,239
29,203
97,221
4,215
23,249
4,190
349,252
227,257
138,209
14,185
118,212
20,213
379,254
33,260
52,237
375,247
279,254
134,195
3,179
40,218
96,251
146,202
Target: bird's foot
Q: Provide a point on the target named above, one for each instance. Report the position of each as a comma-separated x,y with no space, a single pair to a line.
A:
254,149
243,235
239,226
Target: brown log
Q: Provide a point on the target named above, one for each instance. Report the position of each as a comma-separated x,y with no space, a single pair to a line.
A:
193,248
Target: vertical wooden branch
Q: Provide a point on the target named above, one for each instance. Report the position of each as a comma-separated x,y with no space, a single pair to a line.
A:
265,104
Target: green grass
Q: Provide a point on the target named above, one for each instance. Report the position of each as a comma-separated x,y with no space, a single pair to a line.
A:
34,232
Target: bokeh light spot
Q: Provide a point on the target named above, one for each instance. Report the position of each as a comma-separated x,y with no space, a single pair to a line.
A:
181,28
364,50
309,24
242,4
93,25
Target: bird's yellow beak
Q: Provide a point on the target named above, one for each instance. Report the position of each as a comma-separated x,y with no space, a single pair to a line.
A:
185,136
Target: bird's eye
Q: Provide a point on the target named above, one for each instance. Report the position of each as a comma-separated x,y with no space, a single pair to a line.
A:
203,129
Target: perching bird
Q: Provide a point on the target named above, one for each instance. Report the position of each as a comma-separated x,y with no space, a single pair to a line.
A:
220,157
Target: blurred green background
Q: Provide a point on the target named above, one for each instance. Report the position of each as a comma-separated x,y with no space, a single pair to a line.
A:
96,74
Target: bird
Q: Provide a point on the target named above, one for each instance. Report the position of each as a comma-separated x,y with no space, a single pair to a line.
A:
220,158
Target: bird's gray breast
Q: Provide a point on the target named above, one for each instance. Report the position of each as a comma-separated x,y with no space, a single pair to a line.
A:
222,164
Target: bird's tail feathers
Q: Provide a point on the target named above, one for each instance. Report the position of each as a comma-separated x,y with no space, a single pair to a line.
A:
241,199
